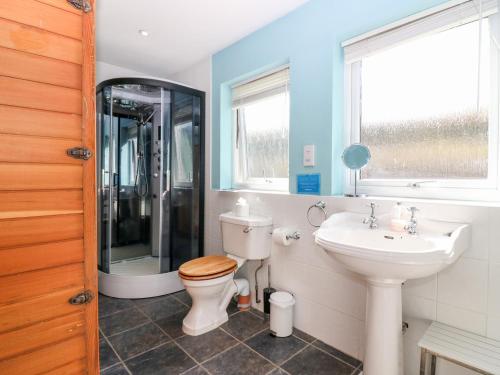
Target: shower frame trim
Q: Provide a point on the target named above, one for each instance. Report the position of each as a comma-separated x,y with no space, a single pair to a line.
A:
189,91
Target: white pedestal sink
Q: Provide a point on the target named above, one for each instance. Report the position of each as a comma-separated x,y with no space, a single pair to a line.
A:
386,259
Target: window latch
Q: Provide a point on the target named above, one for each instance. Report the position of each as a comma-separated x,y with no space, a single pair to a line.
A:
418,184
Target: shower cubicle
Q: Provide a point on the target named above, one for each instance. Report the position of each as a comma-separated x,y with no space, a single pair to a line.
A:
150,178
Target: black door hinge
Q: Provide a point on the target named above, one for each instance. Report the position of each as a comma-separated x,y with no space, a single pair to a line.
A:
79,153
83,5
82,298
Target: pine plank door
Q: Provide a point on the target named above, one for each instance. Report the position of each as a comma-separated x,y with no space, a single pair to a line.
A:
47,197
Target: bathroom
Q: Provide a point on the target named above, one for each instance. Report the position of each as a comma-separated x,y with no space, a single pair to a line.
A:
182,87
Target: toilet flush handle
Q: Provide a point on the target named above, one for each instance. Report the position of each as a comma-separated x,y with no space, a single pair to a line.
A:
247,230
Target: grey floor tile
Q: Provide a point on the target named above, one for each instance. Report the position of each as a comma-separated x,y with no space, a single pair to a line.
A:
137,340
259,313
108,305
244,325
276,349
278,371
163,308
238,360
337,353
122,321
232,308
313,361
207,345
119,369
183,296
172,324
198,370
303,336
107,357
145,301
167,359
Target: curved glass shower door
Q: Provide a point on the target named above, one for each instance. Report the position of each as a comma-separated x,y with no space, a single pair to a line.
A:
150,152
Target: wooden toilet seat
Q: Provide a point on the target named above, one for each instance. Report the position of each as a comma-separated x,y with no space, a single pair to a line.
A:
207,267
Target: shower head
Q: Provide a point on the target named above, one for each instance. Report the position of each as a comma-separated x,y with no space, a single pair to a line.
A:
142,122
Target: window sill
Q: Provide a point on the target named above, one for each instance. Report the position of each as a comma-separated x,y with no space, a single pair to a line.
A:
454,202
255,191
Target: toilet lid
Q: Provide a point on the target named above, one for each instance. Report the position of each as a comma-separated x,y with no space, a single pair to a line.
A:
208,267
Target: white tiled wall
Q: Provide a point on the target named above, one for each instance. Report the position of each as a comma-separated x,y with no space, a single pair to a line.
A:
331,301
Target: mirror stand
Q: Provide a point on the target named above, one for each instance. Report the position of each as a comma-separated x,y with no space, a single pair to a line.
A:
355,195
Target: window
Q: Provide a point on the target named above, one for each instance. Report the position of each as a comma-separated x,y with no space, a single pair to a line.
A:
261,123
423,96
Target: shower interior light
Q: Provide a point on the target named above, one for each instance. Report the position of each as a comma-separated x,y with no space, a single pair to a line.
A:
144,32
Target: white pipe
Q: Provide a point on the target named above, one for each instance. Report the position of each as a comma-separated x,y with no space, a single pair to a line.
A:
239,287
243,287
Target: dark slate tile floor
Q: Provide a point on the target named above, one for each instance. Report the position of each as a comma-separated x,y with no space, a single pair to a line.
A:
143,337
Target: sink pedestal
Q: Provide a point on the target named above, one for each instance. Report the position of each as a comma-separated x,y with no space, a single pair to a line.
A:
383,347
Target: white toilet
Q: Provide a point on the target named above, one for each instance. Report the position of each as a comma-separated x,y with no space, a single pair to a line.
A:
210,280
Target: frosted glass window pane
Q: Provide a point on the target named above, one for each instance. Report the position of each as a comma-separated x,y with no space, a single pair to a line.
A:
263,138
419,114
183,153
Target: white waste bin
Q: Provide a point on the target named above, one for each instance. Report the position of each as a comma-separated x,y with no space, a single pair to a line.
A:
281,323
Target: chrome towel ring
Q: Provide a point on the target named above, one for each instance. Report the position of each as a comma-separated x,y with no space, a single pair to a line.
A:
322,206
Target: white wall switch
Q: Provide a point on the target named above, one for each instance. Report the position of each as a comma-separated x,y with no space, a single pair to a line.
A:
309,158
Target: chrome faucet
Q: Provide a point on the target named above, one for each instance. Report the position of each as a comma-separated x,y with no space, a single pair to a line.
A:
372,220
411,227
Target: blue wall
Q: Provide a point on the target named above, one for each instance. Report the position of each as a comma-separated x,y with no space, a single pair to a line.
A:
309,40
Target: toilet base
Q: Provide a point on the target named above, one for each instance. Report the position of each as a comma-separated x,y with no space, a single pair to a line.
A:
210,300
191,331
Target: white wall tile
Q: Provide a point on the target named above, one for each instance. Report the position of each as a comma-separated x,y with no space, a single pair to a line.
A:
348,295
465,284
418,307
461,318
493,327
494,234
334,328
494,289
426,287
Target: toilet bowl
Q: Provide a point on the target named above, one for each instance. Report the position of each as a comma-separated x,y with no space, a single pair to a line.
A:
210,281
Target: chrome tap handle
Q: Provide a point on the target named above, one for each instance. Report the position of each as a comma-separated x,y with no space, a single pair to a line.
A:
413,211
372,220
411,227
372,205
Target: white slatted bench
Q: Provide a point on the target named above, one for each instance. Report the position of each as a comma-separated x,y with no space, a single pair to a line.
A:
466,349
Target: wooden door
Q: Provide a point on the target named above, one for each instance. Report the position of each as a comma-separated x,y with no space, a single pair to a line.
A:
47,198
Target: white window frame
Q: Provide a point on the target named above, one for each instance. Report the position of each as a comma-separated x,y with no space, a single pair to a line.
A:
263,184
475,189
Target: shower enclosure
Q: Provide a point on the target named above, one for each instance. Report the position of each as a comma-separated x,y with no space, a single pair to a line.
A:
150,179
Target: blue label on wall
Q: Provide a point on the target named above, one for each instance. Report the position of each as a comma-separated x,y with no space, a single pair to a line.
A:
308,183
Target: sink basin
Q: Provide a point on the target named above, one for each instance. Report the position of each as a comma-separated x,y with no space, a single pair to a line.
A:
386,254
386,258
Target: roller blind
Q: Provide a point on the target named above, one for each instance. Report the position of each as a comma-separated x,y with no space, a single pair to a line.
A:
261,88
453,16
